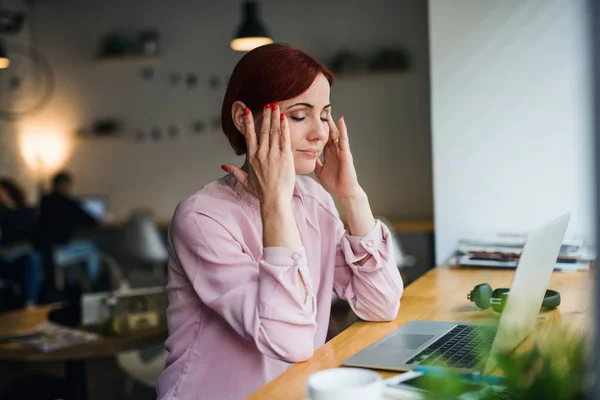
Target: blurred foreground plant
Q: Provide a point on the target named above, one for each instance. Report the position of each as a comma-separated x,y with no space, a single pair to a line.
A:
558,370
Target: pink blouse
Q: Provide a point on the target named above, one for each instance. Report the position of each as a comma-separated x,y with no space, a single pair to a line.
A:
236,320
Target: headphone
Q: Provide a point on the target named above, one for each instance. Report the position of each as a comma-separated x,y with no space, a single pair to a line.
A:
483,297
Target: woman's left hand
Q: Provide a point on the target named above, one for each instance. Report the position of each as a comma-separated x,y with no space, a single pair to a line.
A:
336,173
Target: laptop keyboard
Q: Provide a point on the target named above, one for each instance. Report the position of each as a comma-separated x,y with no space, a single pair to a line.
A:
465,346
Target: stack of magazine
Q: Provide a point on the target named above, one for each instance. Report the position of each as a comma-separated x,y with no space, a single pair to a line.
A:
48,336
503,251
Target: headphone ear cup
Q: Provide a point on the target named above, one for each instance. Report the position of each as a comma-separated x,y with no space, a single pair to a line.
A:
480,295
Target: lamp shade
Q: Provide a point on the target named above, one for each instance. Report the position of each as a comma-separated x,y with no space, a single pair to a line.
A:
4,61
142,239
251,33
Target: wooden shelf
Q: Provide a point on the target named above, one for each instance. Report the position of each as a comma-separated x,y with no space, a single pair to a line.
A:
369,74
89,135
413,225
129,58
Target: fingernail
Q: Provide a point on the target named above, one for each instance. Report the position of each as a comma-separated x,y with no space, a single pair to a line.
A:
274,106
225,168
246,111
268,105
281,116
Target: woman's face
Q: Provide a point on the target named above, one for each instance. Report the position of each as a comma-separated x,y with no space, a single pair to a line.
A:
307,116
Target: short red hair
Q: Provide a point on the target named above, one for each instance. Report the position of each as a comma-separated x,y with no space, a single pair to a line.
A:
267,74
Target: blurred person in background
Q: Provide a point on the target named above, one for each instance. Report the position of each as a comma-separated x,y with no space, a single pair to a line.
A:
18,258
60,215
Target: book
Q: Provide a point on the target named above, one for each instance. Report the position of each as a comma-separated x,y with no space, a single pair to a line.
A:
504,251
49,336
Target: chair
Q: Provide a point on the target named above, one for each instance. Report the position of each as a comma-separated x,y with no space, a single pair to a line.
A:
142,366
403,260
142,241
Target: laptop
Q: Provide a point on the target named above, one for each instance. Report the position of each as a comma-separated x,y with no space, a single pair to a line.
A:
96,206
466,346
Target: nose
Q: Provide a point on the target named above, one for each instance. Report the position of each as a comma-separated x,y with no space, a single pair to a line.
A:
320,131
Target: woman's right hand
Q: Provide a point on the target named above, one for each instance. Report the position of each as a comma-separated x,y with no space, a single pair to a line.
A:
271,173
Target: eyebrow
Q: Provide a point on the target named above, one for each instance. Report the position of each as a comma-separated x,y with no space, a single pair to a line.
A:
307,105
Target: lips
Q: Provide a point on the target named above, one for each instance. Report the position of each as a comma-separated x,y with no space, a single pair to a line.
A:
311,152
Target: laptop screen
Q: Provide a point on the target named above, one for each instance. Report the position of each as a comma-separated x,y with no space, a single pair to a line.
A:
95,206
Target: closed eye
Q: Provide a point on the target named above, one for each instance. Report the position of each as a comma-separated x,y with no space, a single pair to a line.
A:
298,118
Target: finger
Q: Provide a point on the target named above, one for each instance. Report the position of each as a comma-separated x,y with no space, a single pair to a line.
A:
265,128
275,136
250,133
333,130
284,142
238,174
344,141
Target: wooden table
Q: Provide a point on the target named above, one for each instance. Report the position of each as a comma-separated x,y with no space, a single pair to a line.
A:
441,294
23,321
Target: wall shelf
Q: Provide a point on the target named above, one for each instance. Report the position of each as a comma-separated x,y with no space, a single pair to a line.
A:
368,74
133,57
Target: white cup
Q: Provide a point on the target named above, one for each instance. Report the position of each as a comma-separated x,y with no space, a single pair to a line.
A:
344,384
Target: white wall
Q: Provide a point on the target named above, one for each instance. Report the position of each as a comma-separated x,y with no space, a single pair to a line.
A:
388,115
511,116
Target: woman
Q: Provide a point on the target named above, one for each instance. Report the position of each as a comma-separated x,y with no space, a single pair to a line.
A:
256,255
17,224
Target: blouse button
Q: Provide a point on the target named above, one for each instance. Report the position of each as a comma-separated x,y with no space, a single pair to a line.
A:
369,243
296,256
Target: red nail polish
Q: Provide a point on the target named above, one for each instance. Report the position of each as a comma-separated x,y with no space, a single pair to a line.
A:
274,106
281,116
268,105
225,168
246,111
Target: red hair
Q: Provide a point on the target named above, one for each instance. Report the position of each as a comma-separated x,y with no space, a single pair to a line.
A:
267,74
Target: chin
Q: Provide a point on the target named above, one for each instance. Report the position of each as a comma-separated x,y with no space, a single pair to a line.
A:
305,167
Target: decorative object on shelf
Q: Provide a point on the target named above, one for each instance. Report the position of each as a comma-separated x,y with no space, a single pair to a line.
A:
191,80
106,127
384,60
147,73
215,122
173,132
113,45
198,126
149,43
174,78
156,134
347,62
103,128
214,82
389,60
251,33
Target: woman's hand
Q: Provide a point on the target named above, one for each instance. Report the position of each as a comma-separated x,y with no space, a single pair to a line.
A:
336,173
271,173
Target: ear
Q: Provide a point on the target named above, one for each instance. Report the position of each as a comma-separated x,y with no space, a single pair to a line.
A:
237,115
